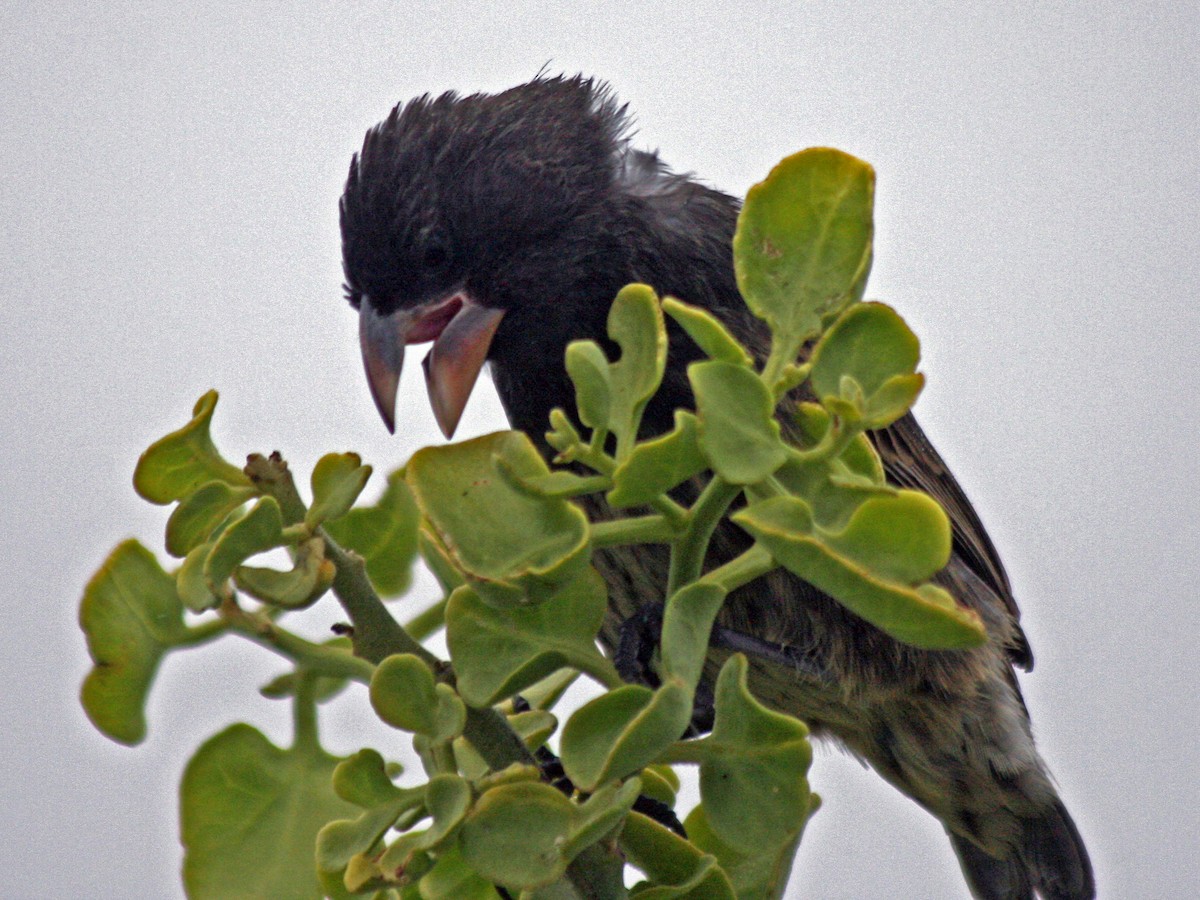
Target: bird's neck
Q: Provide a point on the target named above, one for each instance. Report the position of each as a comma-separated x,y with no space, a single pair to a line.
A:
677,240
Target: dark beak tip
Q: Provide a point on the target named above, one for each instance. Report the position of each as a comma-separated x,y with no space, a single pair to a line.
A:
382,339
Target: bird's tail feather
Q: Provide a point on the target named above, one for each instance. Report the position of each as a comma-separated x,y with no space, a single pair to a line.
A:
1049,861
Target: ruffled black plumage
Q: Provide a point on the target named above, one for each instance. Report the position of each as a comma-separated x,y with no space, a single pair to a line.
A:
534,202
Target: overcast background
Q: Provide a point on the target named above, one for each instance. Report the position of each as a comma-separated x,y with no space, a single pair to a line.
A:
168,185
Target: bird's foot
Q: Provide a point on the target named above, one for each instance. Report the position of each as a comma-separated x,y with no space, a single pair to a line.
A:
637,643
803,661
634,659
552,772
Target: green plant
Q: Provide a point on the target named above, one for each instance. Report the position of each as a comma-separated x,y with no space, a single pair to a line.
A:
523,604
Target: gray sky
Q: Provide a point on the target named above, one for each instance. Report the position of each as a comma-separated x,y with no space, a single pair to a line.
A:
169,187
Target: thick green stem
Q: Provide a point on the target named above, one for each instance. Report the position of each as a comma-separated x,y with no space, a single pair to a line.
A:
781,356
741,570
376,634
676,514
686,752
203,633
304,712
635,530
687,553
594,458
836,439
307,655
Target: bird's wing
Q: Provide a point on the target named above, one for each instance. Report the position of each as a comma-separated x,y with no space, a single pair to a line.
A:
911,462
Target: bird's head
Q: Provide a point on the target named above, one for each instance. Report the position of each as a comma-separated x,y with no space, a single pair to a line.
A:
468,220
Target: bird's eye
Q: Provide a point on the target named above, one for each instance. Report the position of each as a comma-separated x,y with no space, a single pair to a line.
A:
436,252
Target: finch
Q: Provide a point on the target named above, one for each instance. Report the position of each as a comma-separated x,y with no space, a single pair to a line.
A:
500,227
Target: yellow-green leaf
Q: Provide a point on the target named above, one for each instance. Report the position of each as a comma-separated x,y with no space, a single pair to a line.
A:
131,616
802,249
174,466
514,546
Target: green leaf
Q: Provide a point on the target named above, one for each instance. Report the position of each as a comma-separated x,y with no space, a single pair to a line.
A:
635,322
802,249
524,834
403,693
257,531
904,538
249,815
547,692
762,875
708,332
362,779
515,547
337,480
671,863
190,583
437,557
447,799
562,435
887,537
452,879
515,835
557,484
588,367
298,587
871,344
660,783
621,732
859,459
756,759
600,814
832,490
384,535
131,616
656,466
499,652
534,726
738,431
199,514
687,625
176,465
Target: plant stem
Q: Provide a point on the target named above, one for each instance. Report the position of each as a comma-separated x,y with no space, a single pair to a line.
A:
307,655
781,355
202,633
687,553
743,569
676,514
836,439
376,634
689,752
635,530
594,458
304,712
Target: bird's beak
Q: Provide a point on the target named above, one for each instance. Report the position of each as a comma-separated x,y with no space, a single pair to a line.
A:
461,331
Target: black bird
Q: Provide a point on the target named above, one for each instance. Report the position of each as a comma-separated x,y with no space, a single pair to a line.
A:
501,227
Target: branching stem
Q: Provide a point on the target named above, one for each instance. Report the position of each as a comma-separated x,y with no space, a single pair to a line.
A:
687,553
376,634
